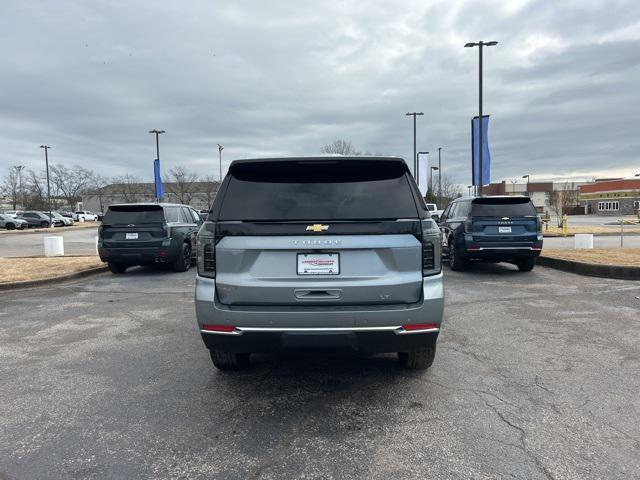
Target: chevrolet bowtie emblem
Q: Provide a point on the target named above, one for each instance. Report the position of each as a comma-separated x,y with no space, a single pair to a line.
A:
317,227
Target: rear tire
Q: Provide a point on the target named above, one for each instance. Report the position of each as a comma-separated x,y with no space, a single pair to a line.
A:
117,267
526,264
10,226
418,360
229,360
183,262
44,224
456,261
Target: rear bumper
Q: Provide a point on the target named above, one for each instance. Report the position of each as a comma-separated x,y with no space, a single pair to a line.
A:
136,256
500,250
367,329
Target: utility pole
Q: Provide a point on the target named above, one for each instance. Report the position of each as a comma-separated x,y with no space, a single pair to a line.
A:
440,173
480,44
220,148
46,161
527,177
415,155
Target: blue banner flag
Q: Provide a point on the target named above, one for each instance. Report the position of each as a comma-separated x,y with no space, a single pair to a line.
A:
486,156
158,180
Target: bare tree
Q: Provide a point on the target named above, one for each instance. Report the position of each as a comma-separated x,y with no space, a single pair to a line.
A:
567,196
35,195
11,186
129,187
181,183
450,191
340,147
69,183
211,188
98,182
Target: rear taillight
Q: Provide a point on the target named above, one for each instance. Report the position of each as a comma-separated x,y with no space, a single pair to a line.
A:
539,223
468,226
166,231
206,243
218,328
431,248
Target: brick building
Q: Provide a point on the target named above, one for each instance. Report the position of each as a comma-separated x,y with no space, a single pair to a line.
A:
615,197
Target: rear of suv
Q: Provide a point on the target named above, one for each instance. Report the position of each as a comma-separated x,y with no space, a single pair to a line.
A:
492,229
148,233
319,253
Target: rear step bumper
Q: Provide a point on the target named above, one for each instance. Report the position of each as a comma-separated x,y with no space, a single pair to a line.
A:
366,328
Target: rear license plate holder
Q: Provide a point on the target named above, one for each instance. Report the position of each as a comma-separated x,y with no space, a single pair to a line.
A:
131,236
318,264
504,229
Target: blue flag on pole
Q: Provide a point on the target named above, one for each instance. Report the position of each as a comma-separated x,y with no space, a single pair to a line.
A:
475,156
158,180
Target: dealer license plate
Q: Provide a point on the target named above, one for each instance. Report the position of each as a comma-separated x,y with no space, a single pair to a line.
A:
318,264
504,229
131,236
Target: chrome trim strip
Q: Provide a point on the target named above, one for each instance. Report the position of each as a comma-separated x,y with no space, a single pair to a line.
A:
499,248
402,331
398,330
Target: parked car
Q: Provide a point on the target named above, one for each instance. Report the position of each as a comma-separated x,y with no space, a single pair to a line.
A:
85,216
203,214
38,219
12,213
11,223
66,213
148,233
491,229
63,221
434,211
319,253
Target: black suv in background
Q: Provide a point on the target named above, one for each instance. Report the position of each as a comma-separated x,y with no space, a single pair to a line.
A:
148,233
491,229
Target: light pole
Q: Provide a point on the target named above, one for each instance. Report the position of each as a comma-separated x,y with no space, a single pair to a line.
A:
527,177
157,133
220,148
513,186
415,157
46,162
439,172
480,44
431,182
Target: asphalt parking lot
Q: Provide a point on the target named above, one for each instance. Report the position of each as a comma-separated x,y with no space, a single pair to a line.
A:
537,377
81,241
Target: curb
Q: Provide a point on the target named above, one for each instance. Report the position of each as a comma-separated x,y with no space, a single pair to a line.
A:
591,269
52,280
603,234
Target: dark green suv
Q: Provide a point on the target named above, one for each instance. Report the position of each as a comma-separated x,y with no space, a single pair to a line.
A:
148,233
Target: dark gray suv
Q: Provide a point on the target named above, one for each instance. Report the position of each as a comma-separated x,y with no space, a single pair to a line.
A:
317,253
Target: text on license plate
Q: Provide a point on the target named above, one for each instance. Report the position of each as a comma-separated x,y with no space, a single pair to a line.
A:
318,263
131,236
504,229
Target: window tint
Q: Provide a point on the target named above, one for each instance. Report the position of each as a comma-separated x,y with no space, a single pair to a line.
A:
172,214
464,208
453,212
194,214
133,214
313,190
503,207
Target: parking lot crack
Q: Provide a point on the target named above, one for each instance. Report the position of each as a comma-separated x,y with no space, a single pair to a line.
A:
521,433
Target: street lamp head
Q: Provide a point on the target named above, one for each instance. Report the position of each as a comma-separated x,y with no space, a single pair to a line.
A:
470,44
526,176
45,146
434,168
220,147
492,43
156,131
423,153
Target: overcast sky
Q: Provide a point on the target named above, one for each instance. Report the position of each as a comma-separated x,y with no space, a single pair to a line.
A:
285,77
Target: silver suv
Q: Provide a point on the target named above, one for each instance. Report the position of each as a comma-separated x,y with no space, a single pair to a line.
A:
319,253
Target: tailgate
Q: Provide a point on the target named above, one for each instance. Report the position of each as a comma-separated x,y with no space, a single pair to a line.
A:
506,229
369,269
131,237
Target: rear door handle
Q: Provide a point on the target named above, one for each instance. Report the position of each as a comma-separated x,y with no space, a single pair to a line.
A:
312,294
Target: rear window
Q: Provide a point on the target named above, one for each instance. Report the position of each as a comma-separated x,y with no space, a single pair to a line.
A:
502,207
318,190
133,214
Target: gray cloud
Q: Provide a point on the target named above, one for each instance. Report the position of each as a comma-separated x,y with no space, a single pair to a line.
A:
266,78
